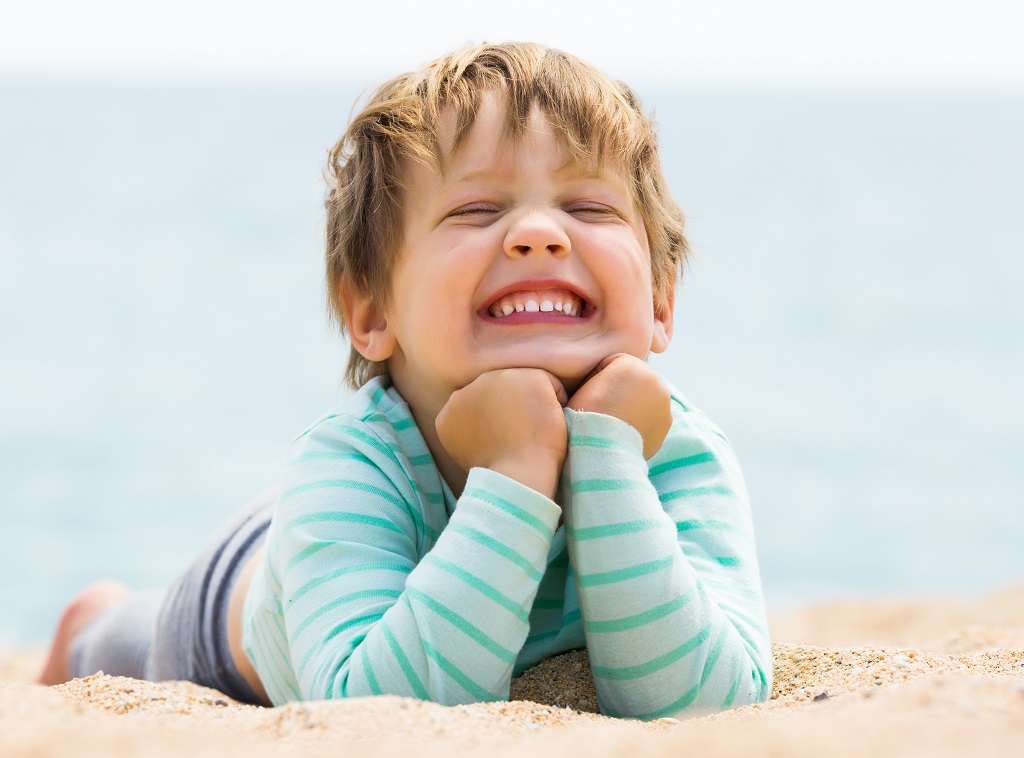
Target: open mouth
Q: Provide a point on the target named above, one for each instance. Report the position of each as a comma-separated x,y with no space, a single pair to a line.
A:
554,301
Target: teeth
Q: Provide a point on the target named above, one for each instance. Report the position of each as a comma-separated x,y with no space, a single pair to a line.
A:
533,302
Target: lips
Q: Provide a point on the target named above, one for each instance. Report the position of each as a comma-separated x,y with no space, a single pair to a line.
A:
556,299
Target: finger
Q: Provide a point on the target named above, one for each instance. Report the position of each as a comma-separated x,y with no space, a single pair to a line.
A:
556,384
601,366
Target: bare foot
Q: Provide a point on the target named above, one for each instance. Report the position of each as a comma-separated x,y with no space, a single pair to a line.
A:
79,612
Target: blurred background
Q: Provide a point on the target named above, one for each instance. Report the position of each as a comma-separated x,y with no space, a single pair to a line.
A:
854,179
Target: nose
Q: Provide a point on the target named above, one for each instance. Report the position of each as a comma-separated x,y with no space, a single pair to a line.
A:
536,231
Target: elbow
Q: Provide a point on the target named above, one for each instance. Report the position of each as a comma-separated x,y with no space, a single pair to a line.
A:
753,681
754,686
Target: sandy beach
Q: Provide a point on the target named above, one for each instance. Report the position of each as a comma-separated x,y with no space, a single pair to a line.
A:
910,678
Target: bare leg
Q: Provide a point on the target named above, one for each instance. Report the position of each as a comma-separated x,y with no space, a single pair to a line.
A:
80,611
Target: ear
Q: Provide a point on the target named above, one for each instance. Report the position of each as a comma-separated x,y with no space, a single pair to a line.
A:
663,321
367,324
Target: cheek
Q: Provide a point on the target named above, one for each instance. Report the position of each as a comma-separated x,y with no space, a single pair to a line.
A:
460,271
628,267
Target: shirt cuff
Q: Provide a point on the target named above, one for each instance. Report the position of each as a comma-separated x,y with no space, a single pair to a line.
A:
484,483
598,428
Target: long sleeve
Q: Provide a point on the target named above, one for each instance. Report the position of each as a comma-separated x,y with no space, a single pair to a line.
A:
665,568
368,591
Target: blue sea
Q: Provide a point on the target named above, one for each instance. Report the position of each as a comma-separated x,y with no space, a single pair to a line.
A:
854,322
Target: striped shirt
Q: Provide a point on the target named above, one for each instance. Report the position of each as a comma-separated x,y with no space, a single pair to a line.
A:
377,580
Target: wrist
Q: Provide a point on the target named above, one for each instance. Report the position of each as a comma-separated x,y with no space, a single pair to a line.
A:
612,431
538,472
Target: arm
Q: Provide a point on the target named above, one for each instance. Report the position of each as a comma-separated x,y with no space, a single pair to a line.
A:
366,612
665,566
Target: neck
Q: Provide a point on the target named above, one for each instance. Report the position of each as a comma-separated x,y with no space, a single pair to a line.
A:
452,472
424,408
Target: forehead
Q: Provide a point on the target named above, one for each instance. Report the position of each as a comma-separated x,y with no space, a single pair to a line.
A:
490,141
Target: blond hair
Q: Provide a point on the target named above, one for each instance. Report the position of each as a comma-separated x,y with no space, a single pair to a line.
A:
598,119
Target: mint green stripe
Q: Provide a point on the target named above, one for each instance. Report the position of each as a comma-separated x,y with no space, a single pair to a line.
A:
654,665
736,592
691,460
421,460
608,485
403,662
347,484
311,549
697,492
377,594
712,659
728,560
365,438
672,708
324,517
500,548
314,583
735,615
479,693
731,697
600,443
571,617
476,633
705,524
402,424
765,689
276,669
533,638
318,684
435,498
314,455
482,587
639,619
271,549
378,395
343,626
612,530
511,509
625,574
371,678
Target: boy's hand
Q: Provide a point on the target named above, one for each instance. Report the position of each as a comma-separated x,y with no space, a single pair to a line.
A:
509,421
625,387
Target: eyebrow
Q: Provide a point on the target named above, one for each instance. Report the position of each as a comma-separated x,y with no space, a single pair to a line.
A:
570,168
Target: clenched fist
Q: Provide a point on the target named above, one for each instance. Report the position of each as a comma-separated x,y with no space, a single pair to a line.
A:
510,421
625,387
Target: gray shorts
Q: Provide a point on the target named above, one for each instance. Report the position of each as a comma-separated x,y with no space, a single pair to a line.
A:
180,634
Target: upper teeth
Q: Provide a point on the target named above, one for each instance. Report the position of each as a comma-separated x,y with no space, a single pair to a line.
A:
533,302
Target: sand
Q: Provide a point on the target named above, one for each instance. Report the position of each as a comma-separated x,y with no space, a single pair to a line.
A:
914,678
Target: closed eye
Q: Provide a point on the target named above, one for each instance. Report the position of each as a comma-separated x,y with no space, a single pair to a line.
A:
591,209
472,209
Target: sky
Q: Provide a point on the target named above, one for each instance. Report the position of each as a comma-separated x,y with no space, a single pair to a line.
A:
922,45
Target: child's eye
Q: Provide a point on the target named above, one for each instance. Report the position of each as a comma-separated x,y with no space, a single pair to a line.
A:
472,209
591,209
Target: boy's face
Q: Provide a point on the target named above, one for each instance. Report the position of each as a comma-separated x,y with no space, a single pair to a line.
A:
516,258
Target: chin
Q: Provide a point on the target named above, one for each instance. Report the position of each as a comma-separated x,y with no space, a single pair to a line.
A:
570,371
571,382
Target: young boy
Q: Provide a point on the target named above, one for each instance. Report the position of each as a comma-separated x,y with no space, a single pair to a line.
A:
511,480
